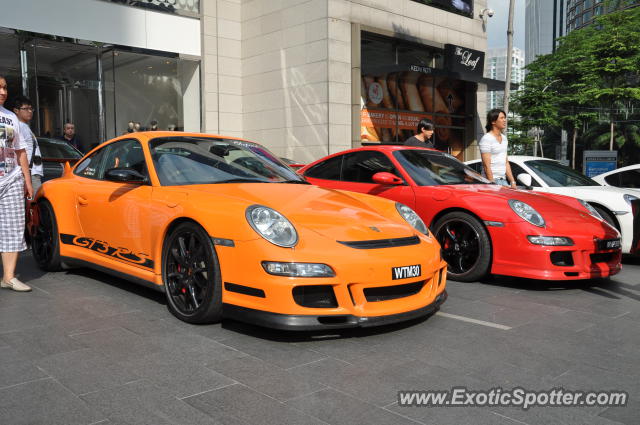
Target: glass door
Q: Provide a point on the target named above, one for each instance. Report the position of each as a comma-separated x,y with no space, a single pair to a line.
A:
67,85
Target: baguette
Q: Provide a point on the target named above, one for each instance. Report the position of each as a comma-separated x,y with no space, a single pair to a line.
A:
387,102
369,133
425,88
392,83
409,88
433,97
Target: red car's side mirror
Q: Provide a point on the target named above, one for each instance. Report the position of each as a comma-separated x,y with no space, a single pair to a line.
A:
387,178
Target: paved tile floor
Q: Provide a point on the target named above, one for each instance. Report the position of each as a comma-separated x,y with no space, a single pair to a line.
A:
86,348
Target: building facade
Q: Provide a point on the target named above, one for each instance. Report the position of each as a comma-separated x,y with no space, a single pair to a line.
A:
496,68
581,13
303,77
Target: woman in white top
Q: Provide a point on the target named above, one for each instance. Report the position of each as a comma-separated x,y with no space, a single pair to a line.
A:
493,150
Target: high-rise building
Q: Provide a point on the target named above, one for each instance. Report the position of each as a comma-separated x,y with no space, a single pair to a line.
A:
543,24
581,13
496,68
547,20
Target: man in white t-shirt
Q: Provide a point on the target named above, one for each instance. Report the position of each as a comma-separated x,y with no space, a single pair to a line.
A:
15,183
493,150
23,108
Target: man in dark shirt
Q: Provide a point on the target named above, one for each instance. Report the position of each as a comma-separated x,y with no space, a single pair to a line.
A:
423,136
69,136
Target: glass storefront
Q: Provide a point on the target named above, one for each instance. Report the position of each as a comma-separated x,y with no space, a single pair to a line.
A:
99,88
146,89
400,86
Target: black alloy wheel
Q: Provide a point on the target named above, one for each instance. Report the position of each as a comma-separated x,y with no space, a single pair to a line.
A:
191,275
45,242
465,244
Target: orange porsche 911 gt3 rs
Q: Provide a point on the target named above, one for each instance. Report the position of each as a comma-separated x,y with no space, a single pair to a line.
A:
224,228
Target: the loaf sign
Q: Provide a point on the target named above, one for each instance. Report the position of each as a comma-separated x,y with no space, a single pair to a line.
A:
467,59
462,59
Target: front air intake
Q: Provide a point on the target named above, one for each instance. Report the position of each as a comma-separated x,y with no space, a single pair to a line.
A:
382,243
385,293
562,258
315,296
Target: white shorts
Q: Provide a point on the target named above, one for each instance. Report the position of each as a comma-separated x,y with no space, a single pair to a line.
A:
12,209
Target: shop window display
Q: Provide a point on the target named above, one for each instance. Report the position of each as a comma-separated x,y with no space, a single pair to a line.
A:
393,102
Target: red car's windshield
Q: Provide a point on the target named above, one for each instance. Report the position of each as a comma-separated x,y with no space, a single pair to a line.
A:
431,168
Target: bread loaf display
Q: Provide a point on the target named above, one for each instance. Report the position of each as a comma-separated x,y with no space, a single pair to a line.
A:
399,94
409,88
394,89
432,97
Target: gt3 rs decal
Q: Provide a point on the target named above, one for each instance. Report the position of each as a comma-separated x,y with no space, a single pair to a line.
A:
103,247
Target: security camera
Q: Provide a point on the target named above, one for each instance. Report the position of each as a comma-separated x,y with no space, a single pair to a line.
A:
486,13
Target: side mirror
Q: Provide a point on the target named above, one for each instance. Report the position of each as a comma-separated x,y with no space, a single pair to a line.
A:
387,178
525,179
124,175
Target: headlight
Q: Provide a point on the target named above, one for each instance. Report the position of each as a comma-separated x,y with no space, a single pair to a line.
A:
527,212
412,218
591,210
550,240
298,269
272,226
629,198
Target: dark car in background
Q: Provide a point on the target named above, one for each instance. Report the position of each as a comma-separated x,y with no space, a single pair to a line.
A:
54,154
291,163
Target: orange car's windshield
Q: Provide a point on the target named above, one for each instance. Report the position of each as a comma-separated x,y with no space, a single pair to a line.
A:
200,160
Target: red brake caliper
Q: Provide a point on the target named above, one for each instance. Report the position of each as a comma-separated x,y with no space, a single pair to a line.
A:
447,242
183,290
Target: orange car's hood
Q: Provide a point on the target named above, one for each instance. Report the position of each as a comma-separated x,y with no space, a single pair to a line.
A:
331,213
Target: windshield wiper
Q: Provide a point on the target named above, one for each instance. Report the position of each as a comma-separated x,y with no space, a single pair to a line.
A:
241,180
295,182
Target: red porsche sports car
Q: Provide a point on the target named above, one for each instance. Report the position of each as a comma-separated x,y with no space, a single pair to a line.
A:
482,227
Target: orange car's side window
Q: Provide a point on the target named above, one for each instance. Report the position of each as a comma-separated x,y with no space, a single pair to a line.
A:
90,166
121,154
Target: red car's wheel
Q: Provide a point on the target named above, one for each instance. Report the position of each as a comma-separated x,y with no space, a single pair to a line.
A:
466,246
191,275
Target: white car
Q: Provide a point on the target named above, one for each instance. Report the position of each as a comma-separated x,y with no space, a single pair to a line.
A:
613,204
625,177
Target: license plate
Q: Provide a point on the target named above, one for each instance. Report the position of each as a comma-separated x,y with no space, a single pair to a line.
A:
406,272
609,244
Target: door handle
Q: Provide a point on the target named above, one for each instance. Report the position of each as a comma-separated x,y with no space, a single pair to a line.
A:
82,200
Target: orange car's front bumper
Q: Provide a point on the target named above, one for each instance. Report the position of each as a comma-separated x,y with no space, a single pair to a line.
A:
363,291
302,322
